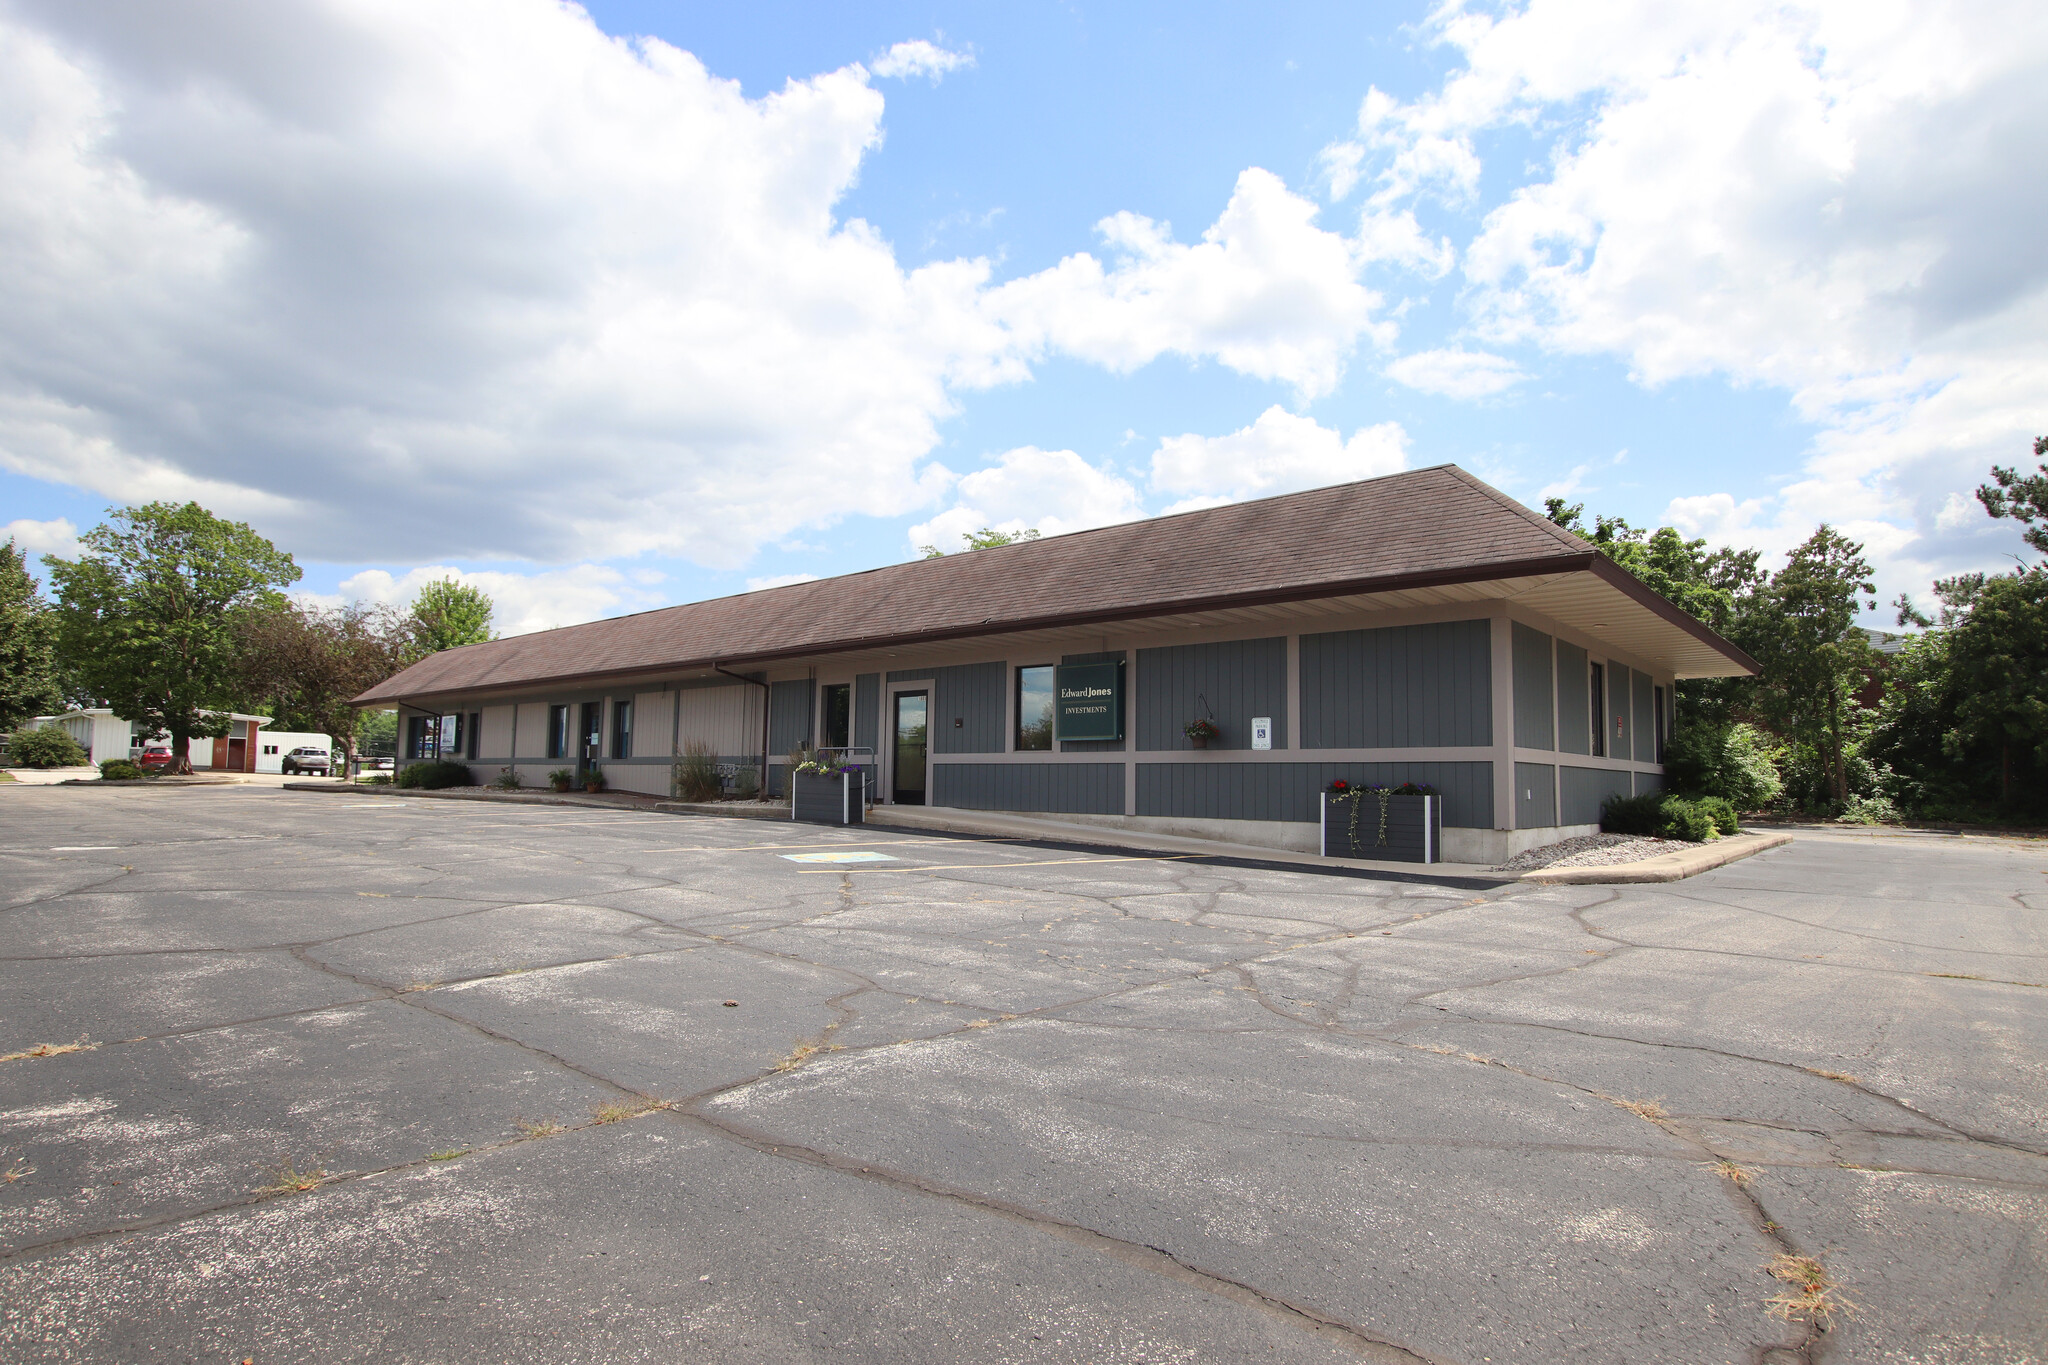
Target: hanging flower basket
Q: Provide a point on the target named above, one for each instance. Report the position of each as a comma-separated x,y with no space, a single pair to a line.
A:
1200,732
1403,824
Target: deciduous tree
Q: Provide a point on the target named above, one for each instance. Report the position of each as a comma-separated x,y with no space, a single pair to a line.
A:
310,662
449,613
149,615
28,644
1814,655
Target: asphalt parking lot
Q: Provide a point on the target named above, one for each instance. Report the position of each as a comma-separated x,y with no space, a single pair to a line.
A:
366,1078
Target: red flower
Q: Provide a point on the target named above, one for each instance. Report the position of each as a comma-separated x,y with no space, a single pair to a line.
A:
1339,785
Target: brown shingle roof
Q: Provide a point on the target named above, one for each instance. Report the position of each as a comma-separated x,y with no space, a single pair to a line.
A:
1435,525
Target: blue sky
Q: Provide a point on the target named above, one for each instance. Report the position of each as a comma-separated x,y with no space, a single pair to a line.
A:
473,287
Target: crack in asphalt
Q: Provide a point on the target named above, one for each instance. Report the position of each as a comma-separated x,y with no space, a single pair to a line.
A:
1320,1015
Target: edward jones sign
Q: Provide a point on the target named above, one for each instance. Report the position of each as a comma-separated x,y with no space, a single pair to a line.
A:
1088,701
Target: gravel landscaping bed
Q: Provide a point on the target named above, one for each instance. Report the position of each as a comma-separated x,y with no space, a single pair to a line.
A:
1593,850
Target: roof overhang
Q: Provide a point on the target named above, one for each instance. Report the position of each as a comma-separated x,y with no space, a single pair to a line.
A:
1587,592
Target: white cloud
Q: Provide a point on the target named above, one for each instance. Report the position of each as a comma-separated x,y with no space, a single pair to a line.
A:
1279,453
1837,199
919,58
1266,292
1456,373
781,580
473,279
521,602
1053,491
58,536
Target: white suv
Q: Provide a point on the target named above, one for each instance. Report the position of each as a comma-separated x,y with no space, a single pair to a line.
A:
308,760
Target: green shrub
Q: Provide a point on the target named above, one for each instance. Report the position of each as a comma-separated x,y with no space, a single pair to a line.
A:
1687,820
507,780
431,775
1738,763
120,770
1722,811
1633,814
48,747
1869,810
1665,816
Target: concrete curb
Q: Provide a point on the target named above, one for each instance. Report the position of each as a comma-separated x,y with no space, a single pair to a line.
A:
1666,867
149,782
536,798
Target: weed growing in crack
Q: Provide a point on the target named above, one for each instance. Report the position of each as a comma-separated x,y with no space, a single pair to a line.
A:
611,1111
412,986
1739,1175
287,1178
1841,1076
798,1055
15,1172
538,1127
1811,1293
52,1049
1642,1109
448,1154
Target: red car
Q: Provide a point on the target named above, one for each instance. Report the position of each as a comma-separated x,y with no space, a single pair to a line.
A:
155,758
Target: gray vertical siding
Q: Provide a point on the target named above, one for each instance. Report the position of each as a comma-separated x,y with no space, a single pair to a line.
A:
1620,737
789,715
1535,795
1101,746
1398,687
867,711
1649,782
972,695
1583,789
1290,791
1645,722
1238,679
1574,705
1534,728
1073,788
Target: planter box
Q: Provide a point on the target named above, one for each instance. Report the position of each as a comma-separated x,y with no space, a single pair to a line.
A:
1415,828
828,800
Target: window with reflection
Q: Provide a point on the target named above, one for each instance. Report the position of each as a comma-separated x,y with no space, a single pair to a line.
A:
622,729
838,701
1034,707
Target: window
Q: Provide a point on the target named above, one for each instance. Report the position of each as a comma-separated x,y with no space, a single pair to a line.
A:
1597,689
558,732
838,715
1658,702
419,736
593,730
453,740
476,728
1034,707
622,729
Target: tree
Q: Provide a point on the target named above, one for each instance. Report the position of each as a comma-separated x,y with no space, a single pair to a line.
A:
1814,656
28,644
447,614
2024,497
310,663
149,615
1719,588
987,538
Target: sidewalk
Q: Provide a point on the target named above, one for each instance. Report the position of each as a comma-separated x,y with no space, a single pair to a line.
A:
993,824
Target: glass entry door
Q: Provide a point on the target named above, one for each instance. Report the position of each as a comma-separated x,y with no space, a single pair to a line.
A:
907,771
